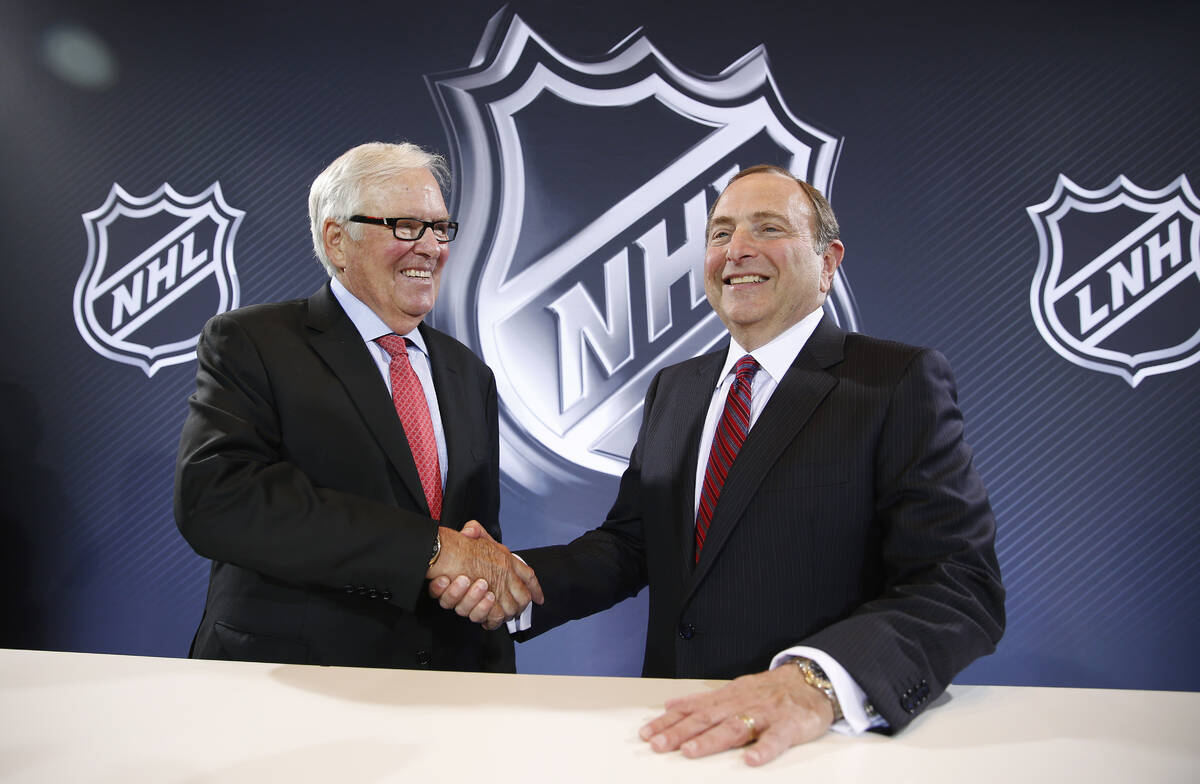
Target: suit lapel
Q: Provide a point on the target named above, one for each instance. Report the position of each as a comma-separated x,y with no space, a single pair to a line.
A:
335,339
449,389
691,402
800,391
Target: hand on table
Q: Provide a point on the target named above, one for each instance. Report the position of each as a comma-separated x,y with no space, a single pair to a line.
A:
480,578
776,708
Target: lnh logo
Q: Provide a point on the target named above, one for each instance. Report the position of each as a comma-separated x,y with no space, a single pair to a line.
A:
1117,287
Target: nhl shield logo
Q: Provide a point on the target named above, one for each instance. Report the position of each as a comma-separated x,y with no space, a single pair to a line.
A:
157,268
1117,287
583,191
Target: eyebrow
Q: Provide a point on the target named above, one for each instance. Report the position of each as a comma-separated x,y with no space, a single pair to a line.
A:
757,216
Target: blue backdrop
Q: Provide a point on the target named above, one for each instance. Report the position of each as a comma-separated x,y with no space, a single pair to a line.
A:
1013,182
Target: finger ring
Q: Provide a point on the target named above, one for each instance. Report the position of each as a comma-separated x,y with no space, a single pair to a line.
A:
751,725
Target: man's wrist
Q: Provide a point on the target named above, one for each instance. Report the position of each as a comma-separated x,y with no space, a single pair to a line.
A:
814,676
437,547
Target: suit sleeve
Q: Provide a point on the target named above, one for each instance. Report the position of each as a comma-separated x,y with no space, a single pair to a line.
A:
240,499
605,565
943,602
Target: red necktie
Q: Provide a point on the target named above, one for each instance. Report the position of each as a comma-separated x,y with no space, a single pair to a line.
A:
731,432
413,409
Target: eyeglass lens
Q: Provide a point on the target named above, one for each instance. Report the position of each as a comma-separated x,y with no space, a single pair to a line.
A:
411,229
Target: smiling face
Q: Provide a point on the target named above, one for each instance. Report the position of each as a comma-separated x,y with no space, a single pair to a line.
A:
761,273
398,279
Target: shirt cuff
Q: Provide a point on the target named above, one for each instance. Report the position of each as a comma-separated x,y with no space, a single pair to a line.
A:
856,718
524,621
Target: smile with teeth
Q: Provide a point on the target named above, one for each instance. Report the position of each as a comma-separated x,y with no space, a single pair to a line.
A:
733,281
416,273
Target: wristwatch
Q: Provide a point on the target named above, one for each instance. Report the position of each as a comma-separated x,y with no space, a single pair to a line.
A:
437,548
814,676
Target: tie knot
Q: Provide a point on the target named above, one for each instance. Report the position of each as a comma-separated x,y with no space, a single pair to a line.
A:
745,369
394,345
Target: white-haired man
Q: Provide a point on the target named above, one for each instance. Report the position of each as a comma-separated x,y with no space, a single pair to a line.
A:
335,446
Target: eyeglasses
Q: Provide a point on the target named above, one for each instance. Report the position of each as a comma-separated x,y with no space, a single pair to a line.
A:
412,229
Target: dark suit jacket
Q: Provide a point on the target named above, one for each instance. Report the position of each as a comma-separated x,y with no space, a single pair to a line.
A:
295,478
852,521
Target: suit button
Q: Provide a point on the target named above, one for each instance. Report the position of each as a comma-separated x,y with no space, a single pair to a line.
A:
348,588
687,631
386,596
371,594
423,657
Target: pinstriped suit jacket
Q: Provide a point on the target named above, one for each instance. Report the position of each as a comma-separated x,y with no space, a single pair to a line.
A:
852,520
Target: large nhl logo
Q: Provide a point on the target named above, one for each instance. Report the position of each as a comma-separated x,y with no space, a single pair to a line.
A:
157,267
583,192
1117,287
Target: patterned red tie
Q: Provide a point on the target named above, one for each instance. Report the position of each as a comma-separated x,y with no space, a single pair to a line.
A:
413,409
731,432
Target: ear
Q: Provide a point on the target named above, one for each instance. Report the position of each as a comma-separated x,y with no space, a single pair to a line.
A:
830,261
335,237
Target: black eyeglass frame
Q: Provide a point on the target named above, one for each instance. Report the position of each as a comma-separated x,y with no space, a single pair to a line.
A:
451,226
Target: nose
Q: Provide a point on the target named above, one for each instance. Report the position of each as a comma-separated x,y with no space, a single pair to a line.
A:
741,244
427,245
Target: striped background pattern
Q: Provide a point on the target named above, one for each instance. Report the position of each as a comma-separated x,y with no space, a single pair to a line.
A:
953,121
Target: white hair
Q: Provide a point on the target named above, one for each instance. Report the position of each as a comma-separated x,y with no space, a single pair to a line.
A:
337,192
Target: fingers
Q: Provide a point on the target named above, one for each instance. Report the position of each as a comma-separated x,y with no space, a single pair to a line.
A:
479,613
473,600
773,711
469,599
513,596
495,618
532,590
475,595
682,730
526,574
659,725
474,530
770,745
438,586
455,591
730,733
699,736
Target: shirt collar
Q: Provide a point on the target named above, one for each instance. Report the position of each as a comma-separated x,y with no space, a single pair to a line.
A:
367,321
778,355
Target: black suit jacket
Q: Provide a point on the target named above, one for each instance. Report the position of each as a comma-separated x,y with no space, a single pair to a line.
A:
852,521
295,478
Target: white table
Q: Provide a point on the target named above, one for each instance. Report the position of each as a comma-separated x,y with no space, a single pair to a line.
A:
67,717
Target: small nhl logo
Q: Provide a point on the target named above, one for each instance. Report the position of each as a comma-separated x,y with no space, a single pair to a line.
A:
157,268
1117,287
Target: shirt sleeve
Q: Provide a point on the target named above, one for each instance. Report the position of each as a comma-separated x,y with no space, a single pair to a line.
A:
857,714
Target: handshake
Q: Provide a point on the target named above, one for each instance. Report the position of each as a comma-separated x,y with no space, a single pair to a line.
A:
479,578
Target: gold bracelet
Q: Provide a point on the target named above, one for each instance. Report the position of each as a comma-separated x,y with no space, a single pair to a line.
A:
814,676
